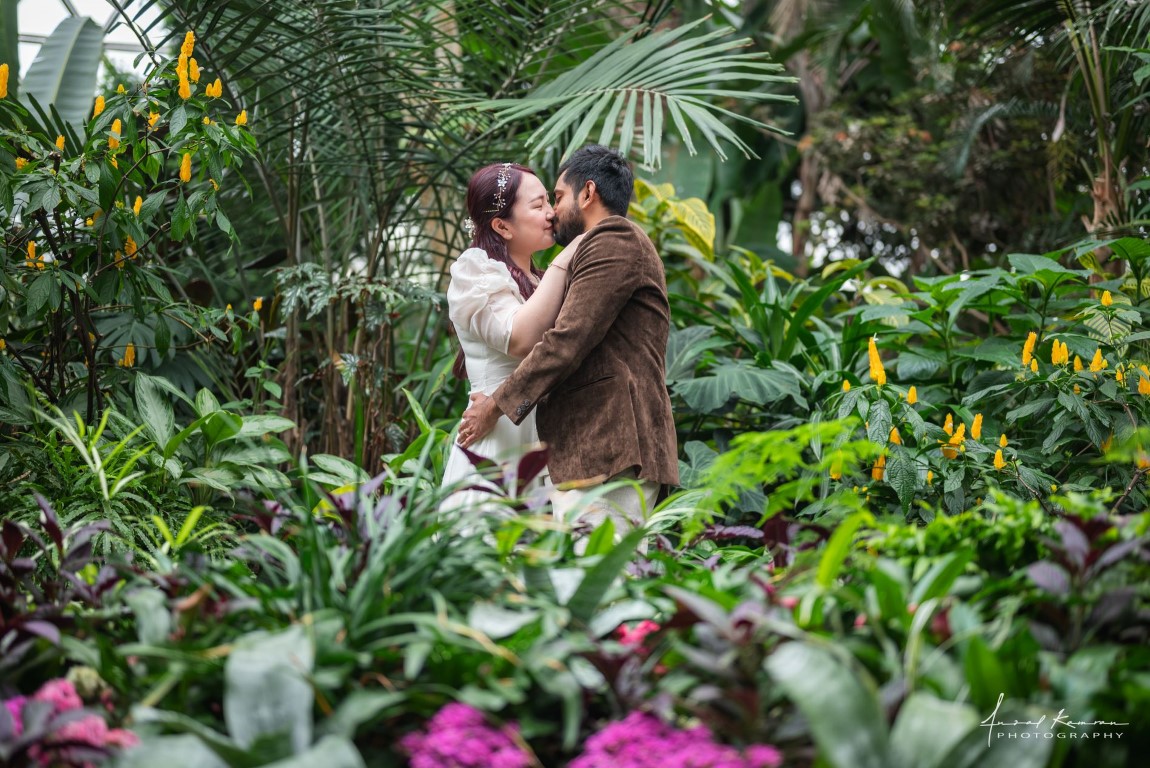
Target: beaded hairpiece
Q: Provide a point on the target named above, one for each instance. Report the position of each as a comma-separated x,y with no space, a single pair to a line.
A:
501,181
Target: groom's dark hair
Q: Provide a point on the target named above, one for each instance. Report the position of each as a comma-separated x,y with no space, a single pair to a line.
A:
608,169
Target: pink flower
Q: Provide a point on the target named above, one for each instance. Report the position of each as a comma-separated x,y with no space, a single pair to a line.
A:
90,731
121,738
789,602
763,756
61,694
16,710
636,635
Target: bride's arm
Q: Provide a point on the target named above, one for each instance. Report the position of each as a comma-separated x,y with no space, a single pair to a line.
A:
538,314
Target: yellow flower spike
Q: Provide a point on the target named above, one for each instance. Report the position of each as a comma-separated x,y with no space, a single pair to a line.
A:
98,108
1142,461
895,437
215,184
879,469
877,372
153,118
60,142
1077,390
976,427
1077,364
186,168
1034,365
20,163
242,119
1107,299
846,386
118,259
1143,381
31,262
193,70
1053,488
3,81
999,462
114,139
836,468
228,308
1002,440
1028,348
129,358
959,435
136,206
130,247
912,395
185,89
3,344
1109,441
1119,376
120,88
188,44
217,89
948,425
930,477
1098,362
258,304
207,120
89,221
113,161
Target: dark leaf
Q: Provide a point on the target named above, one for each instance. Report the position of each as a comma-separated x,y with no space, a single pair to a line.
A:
1074,543
1049,577
13,539
1111,606
43,629
724,532
50,522
1112,554
530,465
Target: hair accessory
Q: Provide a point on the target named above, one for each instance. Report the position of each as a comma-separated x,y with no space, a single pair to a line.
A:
469,226
501,182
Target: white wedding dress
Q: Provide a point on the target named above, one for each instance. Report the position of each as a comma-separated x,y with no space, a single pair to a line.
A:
482,301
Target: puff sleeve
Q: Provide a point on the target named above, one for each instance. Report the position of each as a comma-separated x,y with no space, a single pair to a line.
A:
483,299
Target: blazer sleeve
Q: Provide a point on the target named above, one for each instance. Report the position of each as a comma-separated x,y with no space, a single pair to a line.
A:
603,277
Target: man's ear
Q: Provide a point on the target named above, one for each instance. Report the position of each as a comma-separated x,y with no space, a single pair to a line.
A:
587,194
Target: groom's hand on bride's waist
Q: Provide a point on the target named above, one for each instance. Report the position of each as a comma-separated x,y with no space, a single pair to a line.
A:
478,420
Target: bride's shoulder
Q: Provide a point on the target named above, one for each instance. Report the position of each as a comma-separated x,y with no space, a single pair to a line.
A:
475,267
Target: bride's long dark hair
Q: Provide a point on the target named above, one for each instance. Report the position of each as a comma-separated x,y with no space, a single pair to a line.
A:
483,198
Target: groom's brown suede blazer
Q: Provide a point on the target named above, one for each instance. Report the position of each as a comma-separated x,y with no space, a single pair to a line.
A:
598,377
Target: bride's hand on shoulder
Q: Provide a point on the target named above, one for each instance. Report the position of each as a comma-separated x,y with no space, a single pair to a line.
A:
564,257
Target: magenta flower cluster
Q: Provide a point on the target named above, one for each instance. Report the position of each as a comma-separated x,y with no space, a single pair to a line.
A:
641,740
459,736
80,735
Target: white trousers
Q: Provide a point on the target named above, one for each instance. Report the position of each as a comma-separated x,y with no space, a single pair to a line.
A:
626,505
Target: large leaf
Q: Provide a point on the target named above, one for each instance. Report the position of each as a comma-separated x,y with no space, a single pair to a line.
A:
184,751
601,576
739,381
268,693
927,727
842,713
155,410
63,73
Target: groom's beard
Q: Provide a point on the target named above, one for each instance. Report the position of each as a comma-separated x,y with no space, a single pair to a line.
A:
567,229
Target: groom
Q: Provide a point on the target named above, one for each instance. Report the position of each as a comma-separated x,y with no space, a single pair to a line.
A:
598,376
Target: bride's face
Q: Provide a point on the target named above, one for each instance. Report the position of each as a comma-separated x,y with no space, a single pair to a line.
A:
529,228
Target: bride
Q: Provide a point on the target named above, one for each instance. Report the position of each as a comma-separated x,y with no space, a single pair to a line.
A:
501,305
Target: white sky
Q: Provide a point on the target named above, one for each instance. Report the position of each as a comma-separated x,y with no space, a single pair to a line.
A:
40,17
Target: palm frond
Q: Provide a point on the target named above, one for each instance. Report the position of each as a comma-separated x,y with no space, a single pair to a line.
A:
669,69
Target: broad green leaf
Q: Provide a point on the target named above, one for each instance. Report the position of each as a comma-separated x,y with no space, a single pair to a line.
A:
843,713
739,381
259,425
330,752
498,622
63,73
837,549
268,692
902,475
156,414
878,422
183,751
696,223
600,577
926,728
